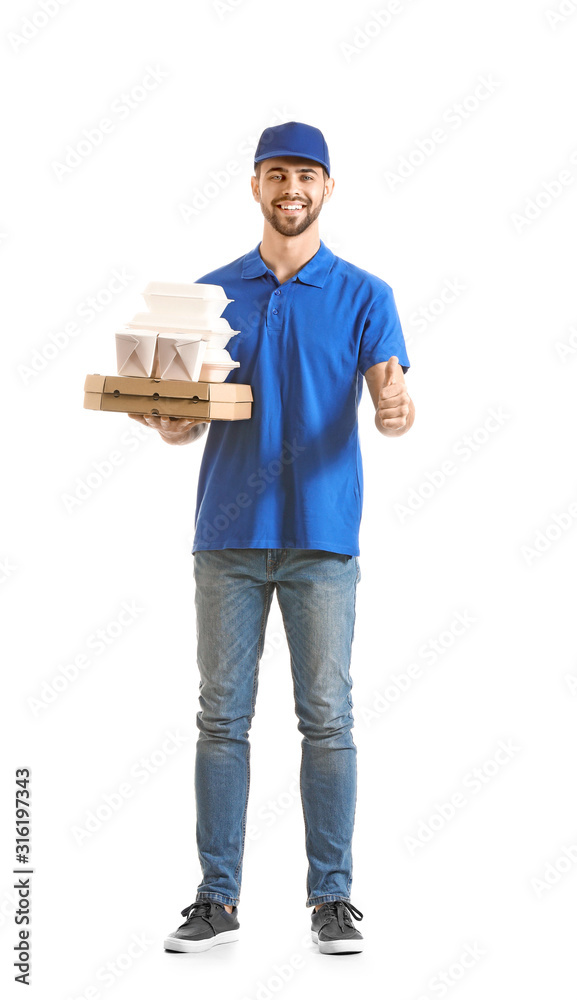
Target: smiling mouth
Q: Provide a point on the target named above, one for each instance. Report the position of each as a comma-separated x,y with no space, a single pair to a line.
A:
290,208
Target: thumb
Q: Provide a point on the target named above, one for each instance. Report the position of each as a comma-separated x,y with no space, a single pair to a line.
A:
391,370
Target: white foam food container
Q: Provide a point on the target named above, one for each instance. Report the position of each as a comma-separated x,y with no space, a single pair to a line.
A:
193,289
196,303
219,334
216,356
216,372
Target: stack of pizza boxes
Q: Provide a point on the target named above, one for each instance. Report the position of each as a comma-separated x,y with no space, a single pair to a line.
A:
172,360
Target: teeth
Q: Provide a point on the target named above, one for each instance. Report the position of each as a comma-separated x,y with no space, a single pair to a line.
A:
292,208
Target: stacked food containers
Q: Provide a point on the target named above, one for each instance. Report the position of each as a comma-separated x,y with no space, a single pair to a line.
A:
172,360
183,335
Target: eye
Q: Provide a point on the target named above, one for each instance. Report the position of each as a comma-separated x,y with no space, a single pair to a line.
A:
308,177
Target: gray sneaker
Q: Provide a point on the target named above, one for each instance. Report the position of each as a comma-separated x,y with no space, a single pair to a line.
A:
333,929
207,924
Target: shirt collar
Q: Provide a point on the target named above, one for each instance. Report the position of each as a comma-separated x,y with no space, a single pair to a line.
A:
315,272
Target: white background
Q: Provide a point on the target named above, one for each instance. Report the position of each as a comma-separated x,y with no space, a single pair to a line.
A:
499,875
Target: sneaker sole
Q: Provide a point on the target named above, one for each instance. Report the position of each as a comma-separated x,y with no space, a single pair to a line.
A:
178,944
337,947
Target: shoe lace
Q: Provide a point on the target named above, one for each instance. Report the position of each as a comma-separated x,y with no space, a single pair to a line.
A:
201,908
343,911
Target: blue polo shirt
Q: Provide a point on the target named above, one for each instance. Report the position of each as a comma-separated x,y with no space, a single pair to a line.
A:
291,476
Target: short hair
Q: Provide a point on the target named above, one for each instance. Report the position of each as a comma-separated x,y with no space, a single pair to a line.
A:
258,165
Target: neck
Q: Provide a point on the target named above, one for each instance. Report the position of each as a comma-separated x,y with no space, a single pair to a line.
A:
285,255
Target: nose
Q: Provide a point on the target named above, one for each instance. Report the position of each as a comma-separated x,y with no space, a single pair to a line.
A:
291,190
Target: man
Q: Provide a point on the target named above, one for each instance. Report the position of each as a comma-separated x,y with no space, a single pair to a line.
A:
278,508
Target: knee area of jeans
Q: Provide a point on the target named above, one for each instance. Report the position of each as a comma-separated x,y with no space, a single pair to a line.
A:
329,741
234,730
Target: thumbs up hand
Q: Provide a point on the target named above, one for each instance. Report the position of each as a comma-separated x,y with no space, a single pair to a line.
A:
391,370
394,401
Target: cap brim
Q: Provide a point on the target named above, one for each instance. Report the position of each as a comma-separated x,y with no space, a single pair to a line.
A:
290,152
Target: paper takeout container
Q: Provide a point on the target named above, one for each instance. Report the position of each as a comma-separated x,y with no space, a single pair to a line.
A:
135,352
179,357
140,353
168,397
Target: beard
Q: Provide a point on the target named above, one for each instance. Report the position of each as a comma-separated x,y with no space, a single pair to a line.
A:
288,227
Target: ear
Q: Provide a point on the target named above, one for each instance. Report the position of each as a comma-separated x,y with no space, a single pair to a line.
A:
255,188
329,188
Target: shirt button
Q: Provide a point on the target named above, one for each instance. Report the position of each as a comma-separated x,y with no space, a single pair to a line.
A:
277,292
275,312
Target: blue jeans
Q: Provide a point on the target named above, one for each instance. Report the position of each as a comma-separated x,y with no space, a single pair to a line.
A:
316,591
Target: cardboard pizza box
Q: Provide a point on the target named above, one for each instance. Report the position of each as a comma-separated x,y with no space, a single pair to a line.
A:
168,397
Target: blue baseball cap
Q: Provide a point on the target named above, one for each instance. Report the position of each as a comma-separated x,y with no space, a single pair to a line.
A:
293,139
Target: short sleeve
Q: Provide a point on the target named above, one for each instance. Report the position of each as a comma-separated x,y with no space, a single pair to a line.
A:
382,336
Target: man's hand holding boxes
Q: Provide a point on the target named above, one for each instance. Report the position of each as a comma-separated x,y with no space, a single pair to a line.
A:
172,360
